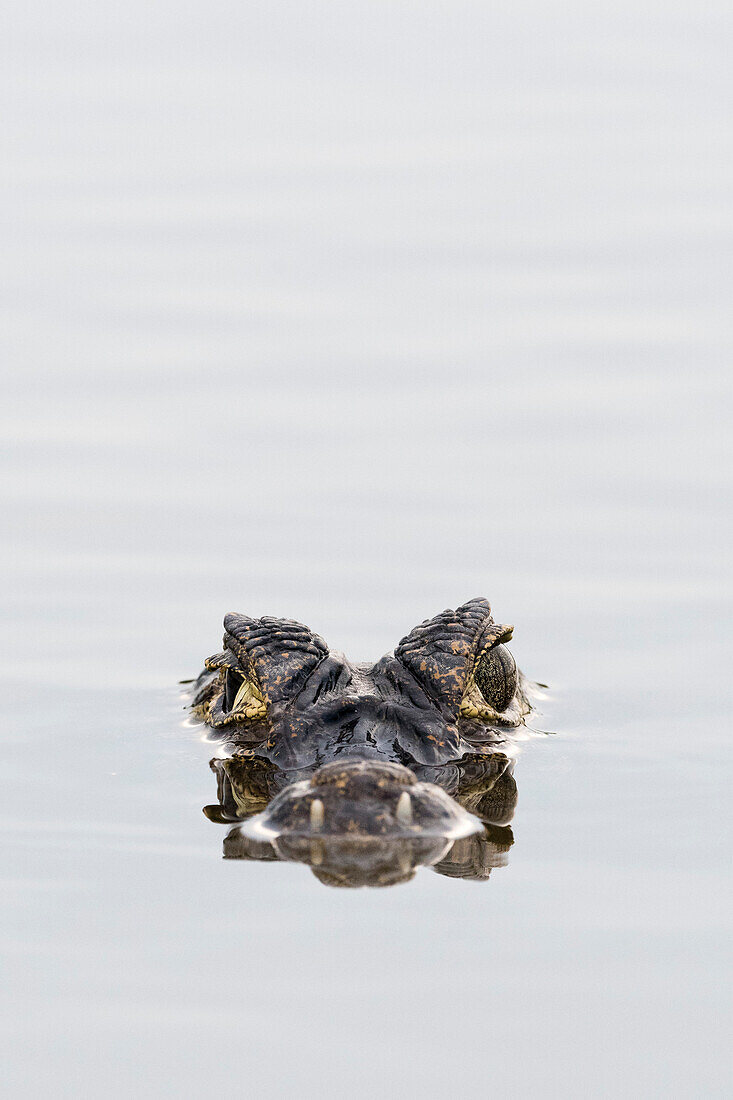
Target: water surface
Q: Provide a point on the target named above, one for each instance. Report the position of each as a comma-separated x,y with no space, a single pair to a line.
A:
349,314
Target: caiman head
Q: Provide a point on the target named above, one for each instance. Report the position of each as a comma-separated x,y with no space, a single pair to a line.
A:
364,757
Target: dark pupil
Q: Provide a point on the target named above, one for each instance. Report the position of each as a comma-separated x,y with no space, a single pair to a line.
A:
232,684
496,677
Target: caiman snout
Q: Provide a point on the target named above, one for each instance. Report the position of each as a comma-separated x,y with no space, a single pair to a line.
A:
366,798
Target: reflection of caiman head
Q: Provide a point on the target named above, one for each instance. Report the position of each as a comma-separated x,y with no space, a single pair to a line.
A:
366,771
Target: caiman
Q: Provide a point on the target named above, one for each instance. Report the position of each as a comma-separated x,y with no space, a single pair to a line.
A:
365,771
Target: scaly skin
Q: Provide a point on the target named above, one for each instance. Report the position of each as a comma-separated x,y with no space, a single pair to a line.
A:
366,771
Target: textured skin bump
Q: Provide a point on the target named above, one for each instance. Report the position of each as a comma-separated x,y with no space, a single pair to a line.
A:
280,653
221,660
439,651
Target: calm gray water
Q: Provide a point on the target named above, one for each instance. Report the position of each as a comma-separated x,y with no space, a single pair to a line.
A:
350,312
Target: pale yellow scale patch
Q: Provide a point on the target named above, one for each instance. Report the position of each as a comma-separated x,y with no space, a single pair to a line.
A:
248,702
473,704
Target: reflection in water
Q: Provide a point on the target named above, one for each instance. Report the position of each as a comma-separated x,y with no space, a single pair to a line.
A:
364,849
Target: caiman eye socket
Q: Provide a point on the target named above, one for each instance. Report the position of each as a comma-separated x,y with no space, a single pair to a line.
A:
496,677
241,699
232,683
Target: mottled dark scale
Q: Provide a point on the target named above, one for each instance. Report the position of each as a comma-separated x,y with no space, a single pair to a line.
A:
438,651
280,653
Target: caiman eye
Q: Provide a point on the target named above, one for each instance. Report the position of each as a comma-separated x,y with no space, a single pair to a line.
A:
232,683
496,677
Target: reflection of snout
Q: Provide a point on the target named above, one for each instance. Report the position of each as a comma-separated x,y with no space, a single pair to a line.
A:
363,799
362,860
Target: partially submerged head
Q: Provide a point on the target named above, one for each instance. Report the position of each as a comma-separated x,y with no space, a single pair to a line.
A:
348,741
